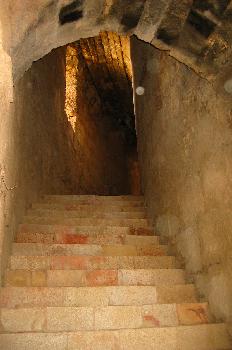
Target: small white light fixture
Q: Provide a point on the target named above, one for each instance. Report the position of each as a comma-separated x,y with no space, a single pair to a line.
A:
228,86
140,90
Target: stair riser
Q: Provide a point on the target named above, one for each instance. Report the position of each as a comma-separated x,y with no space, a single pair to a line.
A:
64,229
71,319
86,214
172,338
86,249
90,263
15,297
83,278
86,222
60,238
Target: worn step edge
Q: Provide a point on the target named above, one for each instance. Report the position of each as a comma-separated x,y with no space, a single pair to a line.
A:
88,278
76,238
89,249
66,318
15,297
200,337
95,197
86,214
57,262
52,228
120,222
100,207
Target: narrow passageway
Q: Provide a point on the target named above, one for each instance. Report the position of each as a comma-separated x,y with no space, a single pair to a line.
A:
100,110
87,270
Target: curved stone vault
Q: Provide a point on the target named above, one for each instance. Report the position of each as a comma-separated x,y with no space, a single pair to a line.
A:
197,33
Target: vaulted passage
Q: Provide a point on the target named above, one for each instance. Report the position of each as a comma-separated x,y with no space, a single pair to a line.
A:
115,175
78,116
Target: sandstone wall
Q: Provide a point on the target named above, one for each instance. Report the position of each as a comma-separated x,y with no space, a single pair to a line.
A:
185,149
99,143
40,153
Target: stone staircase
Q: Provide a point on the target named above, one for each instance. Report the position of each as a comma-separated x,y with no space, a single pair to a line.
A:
86,272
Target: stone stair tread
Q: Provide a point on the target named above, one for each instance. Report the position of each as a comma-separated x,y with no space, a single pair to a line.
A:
86,221
100,207
76,238
58,228
67,318
87,272
200,337
86,214
94,197
15,297
89,249
67,262
88,278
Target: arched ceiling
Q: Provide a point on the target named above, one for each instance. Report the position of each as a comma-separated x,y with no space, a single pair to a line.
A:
196,32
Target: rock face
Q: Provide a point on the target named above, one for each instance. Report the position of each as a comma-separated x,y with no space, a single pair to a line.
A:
184,143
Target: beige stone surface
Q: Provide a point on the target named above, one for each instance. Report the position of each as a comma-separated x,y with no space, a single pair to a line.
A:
205,337
148,339
69,319
118,317
40,341
66,278
189,314
176,294
151,277
132,295
18,278
159,315
94,340
184,143
23,320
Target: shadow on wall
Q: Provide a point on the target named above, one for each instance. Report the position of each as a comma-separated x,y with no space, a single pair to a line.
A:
99,108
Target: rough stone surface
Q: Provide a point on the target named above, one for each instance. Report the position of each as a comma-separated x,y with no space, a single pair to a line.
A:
185,139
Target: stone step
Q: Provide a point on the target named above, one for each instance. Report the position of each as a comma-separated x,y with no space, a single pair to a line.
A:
102,239
93,198
85,221
93,202
86,214
72,319
86,278
90,262
97,229
15,297
200,337
92,208
89,249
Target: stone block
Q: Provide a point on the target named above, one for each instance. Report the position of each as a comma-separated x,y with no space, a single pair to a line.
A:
102,278
18,278
194,313
159,315
66,278
23,320
118,317
66,319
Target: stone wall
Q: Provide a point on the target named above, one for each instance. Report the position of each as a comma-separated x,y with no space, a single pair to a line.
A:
35,151
39,151
100,144
185,149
